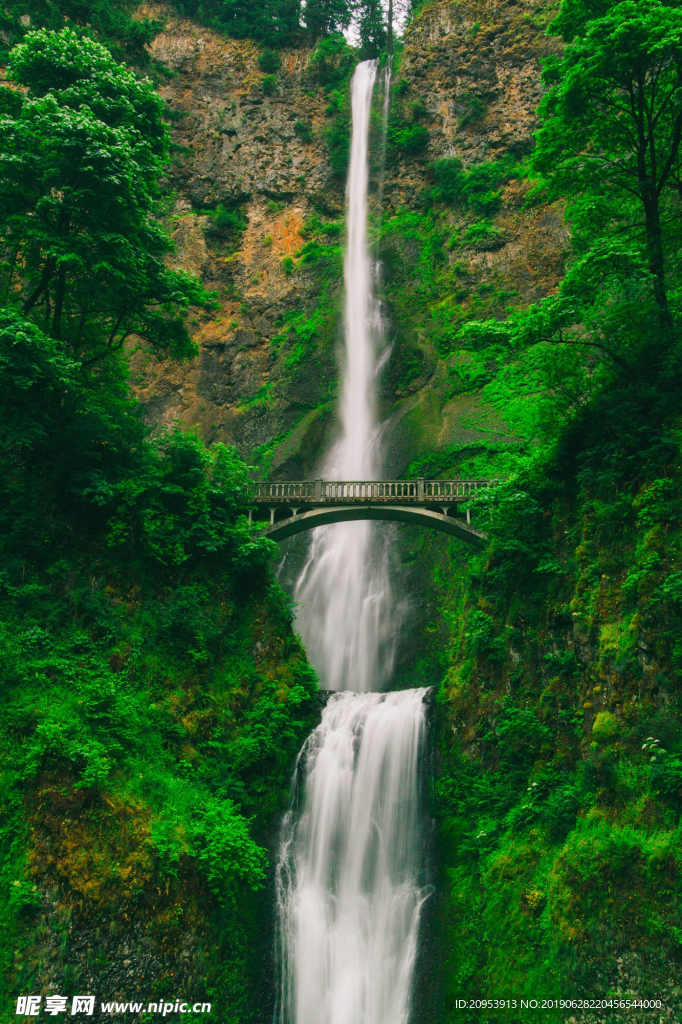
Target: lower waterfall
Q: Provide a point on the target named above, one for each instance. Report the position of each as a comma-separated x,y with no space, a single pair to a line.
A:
349,879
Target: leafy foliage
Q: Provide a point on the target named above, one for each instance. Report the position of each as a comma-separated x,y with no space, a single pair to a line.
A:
80,166
275,22
154,695
613,122
269,61
558,791
476,188
112,21
333,61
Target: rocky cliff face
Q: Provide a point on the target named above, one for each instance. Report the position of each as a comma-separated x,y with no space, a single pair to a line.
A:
258,158
253,153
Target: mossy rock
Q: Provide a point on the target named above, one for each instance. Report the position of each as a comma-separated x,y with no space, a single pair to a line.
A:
606,726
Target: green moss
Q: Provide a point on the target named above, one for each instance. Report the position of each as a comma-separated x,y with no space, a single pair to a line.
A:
605,726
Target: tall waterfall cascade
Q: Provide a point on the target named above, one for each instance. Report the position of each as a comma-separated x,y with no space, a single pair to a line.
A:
347,614
350,883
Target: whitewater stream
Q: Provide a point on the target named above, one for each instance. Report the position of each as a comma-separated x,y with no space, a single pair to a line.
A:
350,874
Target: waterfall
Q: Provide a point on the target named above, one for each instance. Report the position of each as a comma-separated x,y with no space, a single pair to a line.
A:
349,886
349,878
347,615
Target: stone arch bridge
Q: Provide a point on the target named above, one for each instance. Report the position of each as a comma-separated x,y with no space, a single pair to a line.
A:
292,506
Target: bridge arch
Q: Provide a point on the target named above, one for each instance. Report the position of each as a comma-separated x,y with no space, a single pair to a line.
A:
309,520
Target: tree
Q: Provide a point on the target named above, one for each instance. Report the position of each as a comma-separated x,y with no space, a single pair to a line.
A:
111,20
371,28
613,121
80,162
324,18
275,22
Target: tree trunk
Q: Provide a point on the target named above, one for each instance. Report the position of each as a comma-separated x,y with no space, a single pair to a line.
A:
654,241
11,264
48,271
59,302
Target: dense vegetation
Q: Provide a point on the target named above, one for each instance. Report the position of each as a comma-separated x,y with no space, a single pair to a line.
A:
276,23
292,23
560,761
153,694
116,22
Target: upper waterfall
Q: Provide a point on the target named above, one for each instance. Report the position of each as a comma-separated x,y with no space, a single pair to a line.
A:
355,457
347,614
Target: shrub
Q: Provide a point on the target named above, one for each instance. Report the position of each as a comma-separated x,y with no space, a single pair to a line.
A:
666,780
338,141
476,187
225,221
269,84
411,139
481,639
484,236
304,131
475,109
269,62
333,61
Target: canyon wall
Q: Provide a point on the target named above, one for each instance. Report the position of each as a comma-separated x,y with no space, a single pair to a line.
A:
265,377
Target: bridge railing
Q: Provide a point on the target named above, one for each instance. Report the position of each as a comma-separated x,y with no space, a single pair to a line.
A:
390,491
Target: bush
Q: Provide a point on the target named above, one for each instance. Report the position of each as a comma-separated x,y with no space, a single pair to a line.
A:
226,221
484,236
411,139
269,62
304,131
474,188
269,84
475,109
666,781
338,142
333,61
481,639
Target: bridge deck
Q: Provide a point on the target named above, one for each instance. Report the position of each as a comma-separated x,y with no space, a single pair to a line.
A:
390,492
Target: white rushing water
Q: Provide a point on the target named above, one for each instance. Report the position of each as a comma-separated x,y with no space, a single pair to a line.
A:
349,886
349,878
347,616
